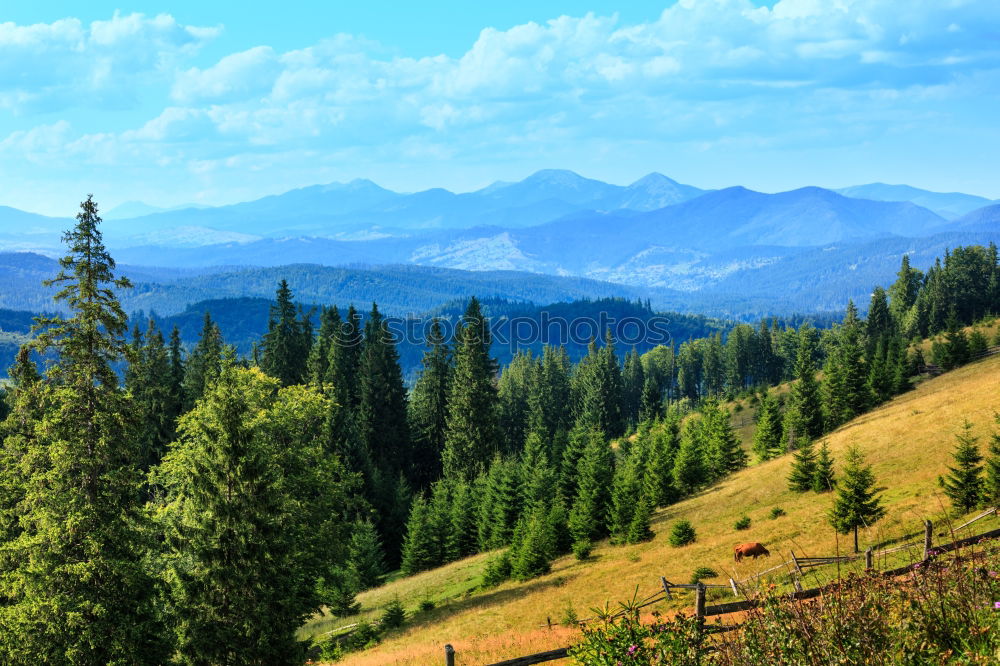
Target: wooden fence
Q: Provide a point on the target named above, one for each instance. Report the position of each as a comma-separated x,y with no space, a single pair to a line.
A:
702,610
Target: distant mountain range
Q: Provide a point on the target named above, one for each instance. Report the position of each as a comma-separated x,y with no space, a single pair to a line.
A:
734,251
946,204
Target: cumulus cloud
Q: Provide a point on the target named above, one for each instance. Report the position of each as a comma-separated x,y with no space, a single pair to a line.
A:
706,72
53,66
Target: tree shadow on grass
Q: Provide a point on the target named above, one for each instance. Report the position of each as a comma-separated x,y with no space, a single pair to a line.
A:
667,515
486,599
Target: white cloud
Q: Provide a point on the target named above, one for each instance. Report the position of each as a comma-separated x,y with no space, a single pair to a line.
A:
706,72
53,66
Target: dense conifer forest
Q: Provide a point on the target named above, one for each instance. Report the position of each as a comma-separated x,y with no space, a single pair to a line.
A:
199,505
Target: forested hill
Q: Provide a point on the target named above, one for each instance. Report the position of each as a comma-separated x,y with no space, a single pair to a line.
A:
399,289
514,325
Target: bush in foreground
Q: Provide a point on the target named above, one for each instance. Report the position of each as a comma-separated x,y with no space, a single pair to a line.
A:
944,612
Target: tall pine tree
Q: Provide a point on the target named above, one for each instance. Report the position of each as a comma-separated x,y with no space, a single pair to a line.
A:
473,431
429,407
285,346
72,579
804,415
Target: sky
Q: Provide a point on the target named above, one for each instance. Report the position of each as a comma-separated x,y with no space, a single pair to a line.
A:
218,102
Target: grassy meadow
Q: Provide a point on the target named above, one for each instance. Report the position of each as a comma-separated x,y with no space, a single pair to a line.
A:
908,441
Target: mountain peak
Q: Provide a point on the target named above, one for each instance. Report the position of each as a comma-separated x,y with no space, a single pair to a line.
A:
561,177
653,179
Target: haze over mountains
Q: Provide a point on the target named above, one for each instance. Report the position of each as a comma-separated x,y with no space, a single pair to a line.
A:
726,246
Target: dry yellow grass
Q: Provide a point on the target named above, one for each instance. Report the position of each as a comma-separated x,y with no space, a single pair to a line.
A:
908,441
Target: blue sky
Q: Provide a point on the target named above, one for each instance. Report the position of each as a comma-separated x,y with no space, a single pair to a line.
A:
216,102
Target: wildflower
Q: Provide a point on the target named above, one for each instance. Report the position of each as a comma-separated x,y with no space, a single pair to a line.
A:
632,649
996,605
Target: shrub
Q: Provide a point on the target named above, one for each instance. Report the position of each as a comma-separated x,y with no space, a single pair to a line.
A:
393,616
777,512
682,533
582,548
365,635
426,605
743,523
498,569
701,573
569,618
624,639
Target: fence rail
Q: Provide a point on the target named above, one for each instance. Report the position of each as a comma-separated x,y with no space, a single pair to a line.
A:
702,610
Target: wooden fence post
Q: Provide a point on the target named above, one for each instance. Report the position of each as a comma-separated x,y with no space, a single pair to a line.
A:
868,559
699,603
928,529
666,587
795,562
732,584
449,655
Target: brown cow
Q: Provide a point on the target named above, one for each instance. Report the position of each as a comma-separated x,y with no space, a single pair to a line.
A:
750,550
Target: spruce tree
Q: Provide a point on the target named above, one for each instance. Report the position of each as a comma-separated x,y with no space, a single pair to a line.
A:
664,444
549,398
767,436
149,380
857,503
803,471
804,415
964,483
633,385
382,400
879,325
569,465
651,403
847,392
72,582
824,478
505,500
285,346
204,363
439,520
176,369
626,489
461,540
418,546
253,516
513,390
881,373
537,476
598,387
532,551
318,362
588,516
365,560
903,292
690,471
473,431
723,452
954,352
429,407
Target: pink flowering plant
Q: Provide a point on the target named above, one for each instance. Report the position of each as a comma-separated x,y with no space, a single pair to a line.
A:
620,638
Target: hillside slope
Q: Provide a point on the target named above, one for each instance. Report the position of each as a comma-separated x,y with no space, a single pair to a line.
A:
908,441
